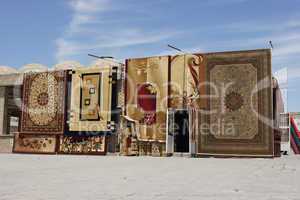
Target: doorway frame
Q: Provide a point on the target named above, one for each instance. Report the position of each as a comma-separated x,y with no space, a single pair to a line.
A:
170,138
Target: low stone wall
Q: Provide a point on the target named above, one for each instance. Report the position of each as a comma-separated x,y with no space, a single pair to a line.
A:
6,144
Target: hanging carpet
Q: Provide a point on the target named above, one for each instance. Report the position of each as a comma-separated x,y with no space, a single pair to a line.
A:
43,108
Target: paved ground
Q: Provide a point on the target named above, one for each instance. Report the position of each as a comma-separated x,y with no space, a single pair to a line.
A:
33,177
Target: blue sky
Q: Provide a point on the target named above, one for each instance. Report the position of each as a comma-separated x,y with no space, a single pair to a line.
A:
48,32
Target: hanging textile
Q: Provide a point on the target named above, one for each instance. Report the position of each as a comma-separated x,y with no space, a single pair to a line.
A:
237,119
186,81
91,99
40,144
146,96
43,108
88,145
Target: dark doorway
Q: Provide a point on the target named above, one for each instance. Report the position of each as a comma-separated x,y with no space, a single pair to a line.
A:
14,101
181,131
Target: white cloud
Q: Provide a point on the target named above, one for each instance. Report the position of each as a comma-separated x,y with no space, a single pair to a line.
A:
89,6
124,38
260,26
284,34
90,30
86,31
286,43
85,12
169,51
77,21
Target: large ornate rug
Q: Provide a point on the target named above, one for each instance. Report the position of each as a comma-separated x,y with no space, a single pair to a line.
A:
27,143
82,145
43,108
237,119
91,99
146,95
